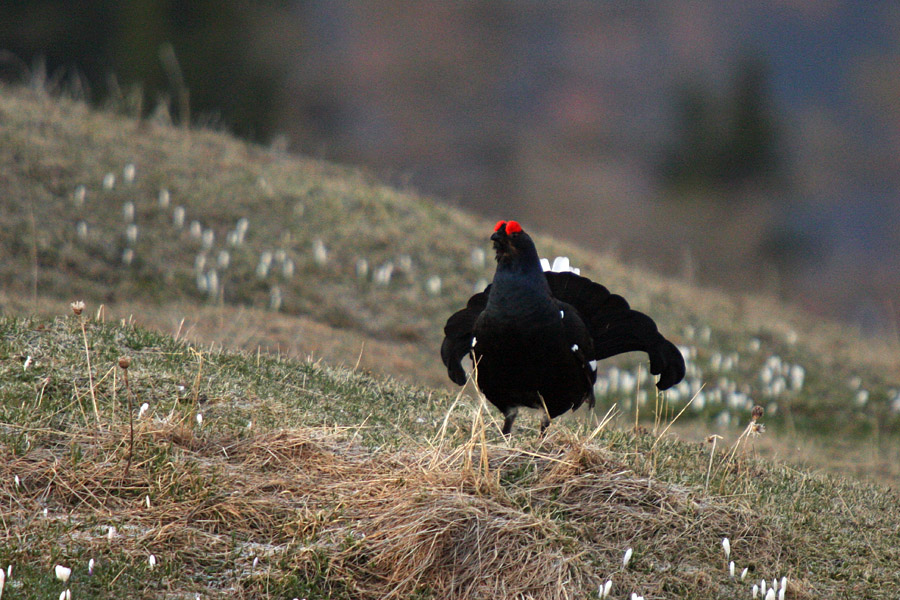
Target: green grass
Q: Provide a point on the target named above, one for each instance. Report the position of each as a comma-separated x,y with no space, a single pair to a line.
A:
347,486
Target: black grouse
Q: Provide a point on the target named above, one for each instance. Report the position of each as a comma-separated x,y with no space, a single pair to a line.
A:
535,337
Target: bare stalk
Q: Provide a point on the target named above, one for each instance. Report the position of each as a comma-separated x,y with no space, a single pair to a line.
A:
712,452
125,362
34,255
78,308
87,353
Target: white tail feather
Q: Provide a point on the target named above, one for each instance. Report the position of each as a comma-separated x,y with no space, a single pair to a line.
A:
560,265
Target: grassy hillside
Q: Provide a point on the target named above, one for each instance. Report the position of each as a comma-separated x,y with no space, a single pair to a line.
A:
252,476
331,458
217,241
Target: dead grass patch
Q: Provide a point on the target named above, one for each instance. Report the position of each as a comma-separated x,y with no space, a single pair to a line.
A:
469,521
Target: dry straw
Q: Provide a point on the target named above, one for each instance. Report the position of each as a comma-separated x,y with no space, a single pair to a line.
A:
463,515
450,518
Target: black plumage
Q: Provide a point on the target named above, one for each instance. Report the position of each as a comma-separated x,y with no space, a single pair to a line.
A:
535,336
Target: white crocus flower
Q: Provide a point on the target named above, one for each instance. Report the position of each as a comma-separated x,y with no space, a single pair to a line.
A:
726,546
433,285
178,217
627,558
320,252
62,573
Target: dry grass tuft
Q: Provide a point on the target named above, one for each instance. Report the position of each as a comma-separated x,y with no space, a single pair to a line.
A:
548,522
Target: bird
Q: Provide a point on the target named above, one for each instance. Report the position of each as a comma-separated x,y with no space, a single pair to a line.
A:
535,336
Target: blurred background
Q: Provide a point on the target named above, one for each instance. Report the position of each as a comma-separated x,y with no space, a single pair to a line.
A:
750,146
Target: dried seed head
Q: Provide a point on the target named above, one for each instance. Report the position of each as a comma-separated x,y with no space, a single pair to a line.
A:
756,413
124,362
77,307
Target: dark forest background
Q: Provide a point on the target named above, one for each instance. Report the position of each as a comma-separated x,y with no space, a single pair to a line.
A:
750,147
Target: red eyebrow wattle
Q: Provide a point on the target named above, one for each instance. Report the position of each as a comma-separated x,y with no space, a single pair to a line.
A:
499,225
513,227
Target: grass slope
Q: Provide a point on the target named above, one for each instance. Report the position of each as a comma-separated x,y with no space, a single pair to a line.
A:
303,480
82,218
308,479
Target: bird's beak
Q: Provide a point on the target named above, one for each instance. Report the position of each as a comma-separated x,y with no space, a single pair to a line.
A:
502,245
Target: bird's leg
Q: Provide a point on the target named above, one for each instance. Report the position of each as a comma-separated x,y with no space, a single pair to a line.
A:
509,415
545,416
545,423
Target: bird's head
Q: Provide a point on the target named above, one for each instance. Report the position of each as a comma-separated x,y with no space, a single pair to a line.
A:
512,244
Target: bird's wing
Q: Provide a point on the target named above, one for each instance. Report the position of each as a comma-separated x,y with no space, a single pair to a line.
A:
458,336
616,328
578,338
